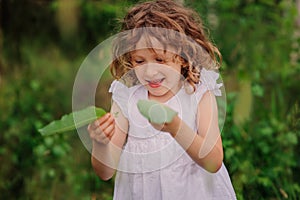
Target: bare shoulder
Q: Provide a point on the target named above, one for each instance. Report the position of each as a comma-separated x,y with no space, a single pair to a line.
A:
207,103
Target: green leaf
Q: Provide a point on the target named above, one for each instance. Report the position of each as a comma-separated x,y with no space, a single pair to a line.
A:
73,120
156,112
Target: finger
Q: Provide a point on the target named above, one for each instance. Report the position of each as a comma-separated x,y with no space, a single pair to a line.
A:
109,122
98,122
110,132
105,127
92,135
89,127
94,132
107,132
103,119
103,133
158,126
93,125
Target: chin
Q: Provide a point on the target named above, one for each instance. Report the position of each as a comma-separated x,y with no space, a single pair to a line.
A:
155,91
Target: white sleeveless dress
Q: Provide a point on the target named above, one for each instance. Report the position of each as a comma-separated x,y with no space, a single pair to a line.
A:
153,166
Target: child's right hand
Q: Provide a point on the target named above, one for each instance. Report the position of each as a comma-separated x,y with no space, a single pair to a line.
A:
102,129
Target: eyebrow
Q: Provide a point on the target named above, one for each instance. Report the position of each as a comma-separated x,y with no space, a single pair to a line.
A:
158,53
136,56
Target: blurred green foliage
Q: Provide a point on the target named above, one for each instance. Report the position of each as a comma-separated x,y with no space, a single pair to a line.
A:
42,44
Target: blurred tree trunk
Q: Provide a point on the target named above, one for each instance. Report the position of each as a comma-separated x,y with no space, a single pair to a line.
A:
1,42
67,18
298,16
295,54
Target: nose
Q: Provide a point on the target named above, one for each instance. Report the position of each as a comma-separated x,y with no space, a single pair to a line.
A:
151,70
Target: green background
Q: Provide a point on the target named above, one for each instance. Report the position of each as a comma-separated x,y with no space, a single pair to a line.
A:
43,43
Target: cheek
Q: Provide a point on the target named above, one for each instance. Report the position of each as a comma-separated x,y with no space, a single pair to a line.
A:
173,72
174,78
139,73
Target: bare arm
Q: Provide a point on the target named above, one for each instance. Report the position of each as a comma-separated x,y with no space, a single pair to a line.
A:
205,146
109,135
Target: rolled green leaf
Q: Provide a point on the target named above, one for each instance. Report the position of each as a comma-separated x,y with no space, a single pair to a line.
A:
73,120
156,112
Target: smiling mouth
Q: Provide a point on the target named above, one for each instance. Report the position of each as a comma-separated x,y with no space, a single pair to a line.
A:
155,83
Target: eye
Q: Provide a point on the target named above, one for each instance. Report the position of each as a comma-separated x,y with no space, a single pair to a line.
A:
159,60
138,61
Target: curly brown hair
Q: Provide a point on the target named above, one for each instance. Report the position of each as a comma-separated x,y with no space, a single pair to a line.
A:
173,25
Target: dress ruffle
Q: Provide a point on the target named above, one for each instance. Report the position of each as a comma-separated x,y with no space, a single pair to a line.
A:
120,95
209,78
208,82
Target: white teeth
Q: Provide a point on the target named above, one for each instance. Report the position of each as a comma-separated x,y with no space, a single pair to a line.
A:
155,81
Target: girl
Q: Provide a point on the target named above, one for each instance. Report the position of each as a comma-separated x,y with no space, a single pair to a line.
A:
162,55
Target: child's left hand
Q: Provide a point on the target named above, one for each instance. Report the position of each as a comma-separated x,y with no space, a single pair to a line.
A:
171,127
161,117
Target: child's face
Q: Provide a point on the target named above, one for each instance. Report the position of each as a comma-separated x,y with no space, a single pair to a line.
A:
158,71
